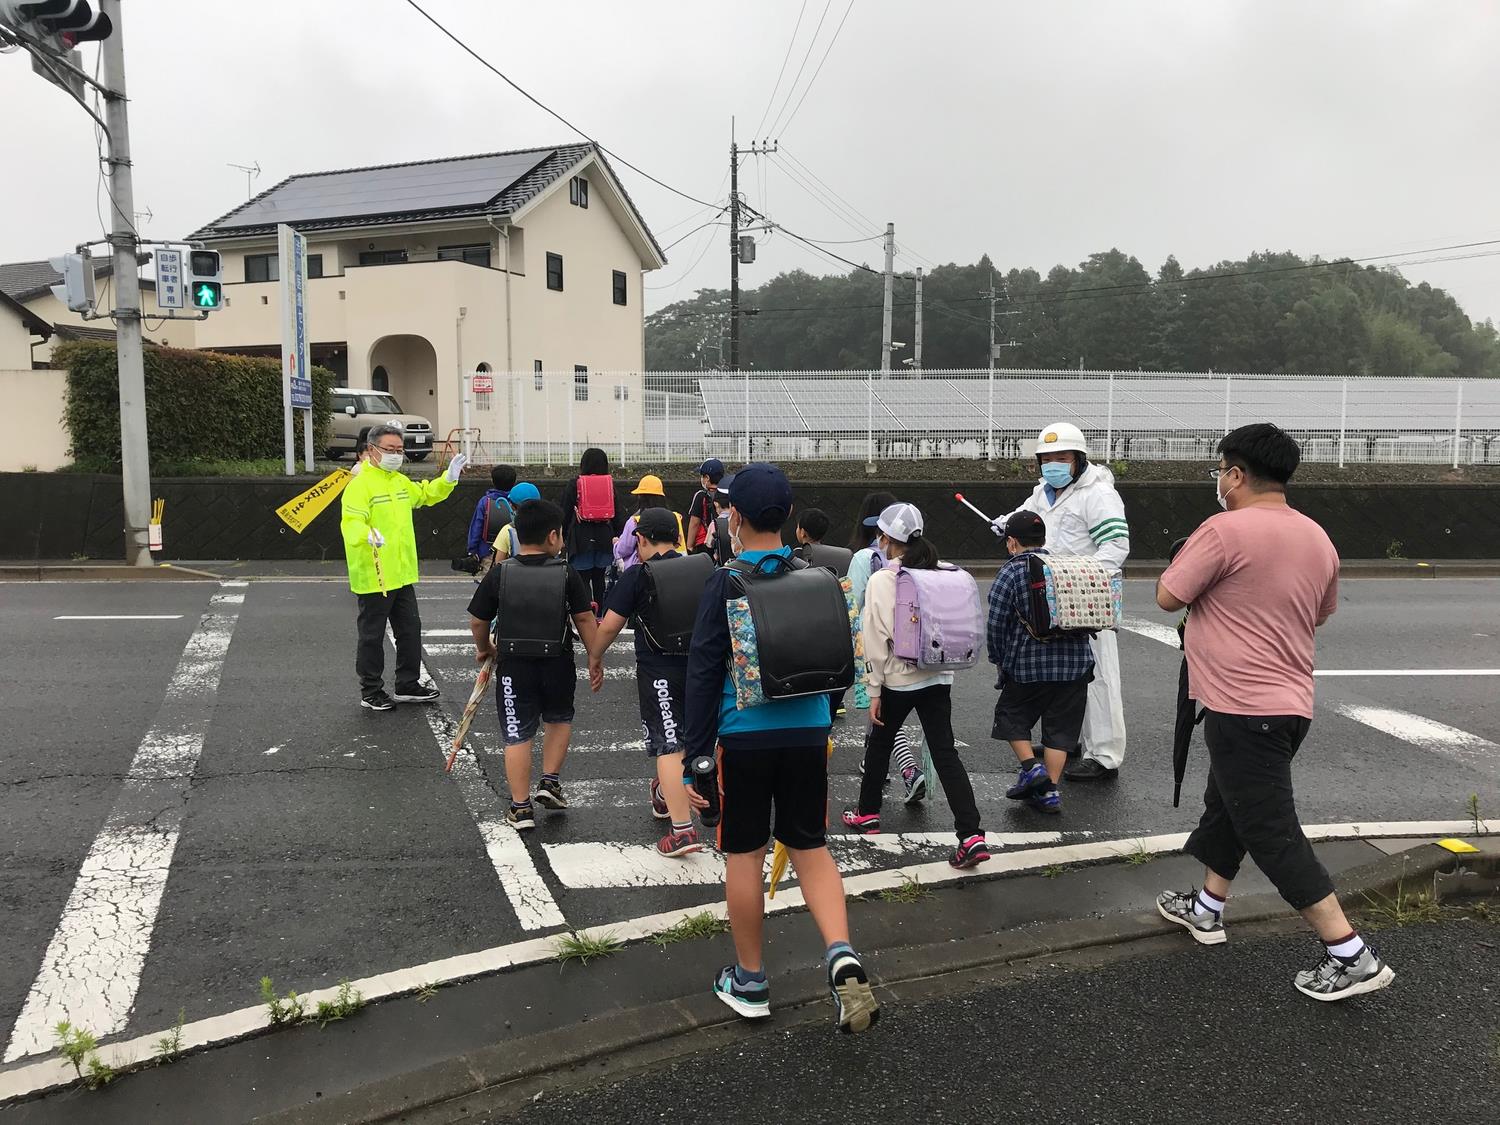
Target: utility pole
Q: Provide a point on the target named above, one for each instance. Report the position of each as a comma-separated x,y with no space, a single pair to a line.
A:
135,458
989,420
916,353
890,284
735,250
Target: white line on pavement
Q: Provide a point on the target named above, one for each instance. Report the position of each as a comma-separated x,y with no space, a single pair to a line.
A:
1155,630
54,1073
447,633
92,968
119,617
1407,672
1429,734
524,887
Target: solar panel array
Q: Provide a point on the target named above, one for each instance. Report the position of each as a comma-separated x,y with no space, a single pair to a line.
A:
365,192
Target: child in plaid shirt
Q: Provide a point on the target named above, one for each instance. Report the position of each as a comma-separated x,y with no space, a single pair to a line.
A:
1038,680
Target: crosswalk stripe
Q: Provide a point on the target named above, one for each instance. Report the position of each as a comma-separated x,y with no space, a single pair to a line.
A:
1154,630
1429,734
92,968
524,887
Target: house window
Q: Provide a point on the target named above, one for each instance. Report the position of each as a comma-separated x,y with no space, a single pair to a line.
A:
536,374
622,392
261,267
382,257
580,383
619,283
473,255
315,265
578,192
554,272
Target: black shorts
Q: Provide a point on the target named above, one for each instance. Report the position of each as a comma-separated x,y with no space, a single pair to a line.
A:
792,780
661,688
1058,704
531,692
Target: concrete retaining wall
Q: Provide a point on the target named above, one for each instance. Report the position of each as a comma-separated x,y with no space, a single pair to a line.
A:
63,515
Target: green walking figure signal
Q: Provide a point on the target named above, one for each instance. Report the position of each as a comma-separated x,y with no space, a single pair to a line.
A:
205,279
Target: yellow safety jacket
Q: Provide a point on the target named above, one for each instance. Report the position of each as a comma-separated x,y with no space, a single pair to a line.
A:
385,501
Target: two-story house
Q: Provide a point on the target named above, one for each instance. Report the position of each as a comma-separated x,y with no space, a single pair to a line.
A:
527,262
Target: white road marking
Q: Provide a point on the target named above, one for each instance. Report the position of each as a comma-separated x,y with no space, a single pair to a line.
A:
92,968
1429,734
49,1074
119,617
524,887
1155,630
615,672
1407,672
447,633
448,649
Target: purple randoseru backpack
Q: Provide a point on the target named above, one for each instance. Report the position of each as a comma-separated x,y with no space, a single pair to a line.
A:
937,621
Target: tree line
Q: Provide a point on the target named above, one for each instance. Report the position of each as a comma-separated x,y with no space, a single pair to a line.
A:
1271,312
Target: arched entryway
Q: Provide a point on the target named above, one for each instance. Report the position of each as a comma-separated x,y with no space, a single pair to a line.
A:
407,365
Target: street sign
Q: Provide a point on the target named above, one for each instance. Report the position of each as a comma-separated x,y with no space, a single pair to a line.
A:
484,384
169,279
295,372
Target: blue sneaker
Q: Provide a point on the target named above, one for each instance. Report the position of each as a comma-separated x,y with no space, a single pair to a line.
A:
1030,781
753,1001
1046,801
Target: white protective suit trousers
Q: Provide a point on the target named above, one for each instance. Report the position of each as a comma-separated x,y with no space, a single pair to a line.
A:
1104,716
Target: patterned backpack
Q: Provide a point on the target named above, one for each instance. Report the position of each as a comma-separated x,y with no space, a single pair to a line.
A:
1071,595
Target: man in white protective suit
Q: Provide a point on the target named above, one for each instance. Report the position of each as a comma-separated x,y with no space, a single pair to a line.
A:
1085,516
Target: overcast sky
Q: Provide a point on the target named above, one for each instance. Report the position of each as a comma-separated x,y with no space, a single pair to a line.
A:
1036,132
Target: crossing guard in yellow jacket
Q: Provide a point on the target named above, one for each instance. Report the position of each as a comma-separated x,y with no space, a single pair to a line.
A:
380,545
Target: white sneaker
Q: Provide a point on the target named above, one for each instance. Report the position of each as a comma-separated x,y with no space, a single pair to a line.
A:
1207,928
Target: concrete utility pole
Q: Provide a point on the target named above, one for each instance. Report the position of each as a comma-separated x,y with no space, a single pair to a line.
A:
916,344
989,419
890,284
135,457
735,249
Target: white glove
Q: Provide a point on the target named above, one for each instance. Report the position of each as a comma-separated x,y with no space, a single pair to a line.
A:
456,466
998,527
375,539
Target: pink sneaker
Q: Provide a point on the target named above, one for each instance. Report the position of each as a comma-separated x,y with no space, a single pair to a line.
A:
658,802
679,843
864,823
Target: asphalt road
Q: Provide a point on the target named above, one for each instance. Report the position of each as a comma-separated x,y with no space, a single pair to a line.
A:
1213,1036
274,827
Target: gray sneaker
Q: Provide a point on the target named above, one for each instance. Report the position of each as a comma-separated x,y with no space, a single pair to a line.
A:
1337,979
1180,907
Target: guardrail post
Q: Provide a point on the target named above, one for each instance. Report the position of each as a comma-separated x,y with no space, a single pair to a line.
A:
1458,421
1343,417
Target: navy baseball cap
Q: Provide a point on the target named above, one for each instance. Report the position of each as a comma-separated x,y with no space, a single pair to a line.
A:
1026,525
713,469
758,490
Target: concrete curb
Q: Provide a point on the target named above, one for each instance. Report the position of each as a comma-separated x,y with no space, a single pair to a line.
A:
164,572
442,1091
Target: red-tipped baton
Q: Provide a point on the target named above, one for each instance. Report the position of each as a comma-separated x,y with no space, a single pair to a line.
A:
959,496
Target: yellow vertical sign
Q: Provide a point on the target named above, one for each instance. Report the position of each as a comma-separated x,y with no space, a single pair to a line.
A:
301,510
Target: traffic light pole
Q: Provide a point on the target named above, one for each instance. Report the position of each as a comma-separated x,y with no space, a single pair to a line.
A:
135,461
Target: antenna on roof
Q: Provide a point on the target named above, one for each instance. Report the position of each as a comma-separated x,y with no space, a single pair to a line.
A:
251,171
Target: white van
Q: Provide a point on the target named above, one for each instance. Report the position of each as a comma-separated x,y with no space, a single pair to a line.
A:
356,410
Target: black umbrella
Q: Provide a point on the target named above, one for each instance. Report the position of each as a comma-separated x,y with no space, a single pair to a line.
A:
1188,713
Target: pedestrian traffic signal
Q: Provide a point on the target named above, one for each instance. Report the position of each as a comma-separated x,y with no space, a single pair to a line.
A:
77,287
71,22
204,284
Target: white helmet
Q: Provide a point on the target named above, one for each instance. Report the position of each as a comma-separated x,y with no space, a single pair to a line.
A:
1061,437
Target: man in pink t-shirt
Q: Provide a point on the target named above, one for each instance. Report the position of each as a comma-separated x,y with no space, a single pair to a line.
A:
1258,580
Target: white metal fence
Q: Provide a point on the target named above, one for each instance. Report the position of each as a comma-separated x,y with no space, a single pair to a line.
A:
658,417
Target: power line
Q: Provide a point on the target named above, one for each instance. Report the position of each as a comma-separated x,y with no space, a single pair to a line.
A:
865,221
811,43
814,78
782,72
685,273
548,109
711,223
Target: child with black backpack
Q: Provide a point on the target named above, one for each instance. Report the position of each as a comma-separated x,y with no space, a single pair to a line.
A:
494,511
910,668
1044,675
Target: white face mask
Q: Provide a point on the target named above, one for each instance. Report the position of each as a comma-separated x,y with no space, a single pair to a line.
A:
1223,497
390,462
734,536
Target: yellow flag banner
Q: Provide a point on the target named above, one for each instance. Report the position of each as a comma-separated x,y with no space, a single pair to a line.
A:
301,510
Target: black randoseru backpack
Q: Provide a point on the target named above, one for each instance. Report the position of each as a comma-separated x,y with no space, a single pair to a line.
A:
674,587
801,626
826,555
533,616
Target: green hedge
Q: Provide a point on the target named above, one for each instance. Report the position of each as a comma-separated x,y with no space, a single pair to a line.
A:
199,405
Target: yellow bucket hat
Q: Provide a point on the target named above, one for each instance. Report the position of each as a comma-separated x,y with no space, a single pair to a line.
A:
650,486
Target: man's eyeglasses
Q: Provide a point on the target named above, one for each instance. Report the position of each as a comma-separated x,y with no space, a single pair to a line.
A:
388,449
1217,473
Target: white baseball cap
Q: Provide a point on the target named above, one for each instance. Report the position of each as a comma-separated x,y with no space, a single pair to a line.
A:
900,522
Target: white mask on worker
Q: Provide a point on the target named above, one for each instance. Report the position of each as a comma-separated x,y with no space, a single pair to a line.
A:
390,462
1223,497
734,535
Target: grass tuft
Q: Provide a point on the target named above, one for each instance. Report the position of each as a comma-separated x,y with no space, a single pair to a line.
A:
1404,907
169,1046
1138,856
909,890
703,924
586,947
81,1048
1052,871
